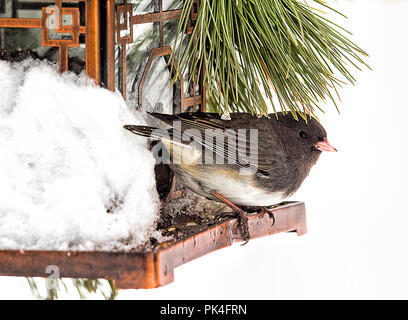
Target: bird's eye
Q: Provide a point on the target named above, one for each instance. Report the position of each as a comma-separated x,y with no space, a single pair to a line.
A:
303,134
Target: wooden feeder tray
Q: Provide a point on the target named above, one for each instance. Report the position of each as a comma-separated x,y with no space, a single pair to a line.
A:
155,267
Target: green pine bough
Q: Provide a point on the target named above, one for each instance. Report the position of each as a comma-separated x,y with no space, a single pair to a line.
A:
252,51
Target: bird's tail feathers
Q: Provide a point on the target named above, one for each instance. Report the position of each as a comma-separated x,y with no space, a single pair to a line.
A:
149,132
179,150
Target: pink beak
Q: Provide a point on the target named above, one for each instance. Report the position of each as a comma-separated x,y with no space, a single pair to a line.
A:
325,146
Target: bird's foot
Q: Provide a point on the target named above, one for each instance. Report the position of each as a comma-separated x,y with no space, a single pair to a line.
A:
240,214
270,213
242,222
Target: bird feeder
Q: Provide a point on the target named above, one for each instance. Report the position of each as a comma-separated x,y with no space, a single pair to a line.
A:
122,46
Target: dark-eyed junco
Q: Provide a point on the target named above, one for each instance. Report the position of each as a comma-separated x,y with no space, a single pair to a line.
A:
244,161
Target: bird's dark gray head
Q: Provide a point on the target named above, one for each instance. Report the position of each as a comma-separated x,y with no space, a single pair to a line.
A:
302,139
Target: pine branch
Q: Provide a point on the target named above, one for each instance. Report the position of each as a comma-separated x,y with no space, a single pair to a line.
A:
257,50
84,288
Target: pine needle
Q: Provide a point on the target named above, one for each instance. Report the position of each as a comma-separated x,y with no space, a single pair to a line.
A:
254,50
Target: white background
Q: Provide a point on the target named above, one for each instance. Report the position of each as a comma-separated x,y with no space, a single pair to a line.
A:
356,246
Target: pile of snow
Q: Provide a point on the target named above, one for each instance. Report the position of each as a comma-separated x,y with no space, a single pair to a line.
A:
70,176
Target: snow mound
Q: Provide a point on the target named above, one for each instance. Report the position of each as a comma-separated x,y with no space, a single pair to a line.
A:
71,177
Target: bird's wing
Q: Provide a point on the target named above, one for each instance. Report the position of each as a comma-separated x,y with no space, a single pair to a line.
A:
256,144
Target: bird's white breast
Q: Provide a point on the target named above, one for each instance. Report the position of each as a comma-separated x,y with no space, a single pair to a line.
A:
243,192
239,189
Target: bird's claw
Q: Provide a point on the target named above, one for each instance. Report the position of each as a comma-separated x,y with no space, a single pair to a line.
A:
242,222
270,214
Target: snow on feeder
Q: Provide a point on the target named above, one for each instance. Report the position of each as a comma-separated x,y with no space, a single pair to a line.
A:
79,191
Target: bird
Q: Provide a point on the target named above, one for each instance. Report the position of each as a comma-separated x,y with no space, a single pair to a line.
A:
246,161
